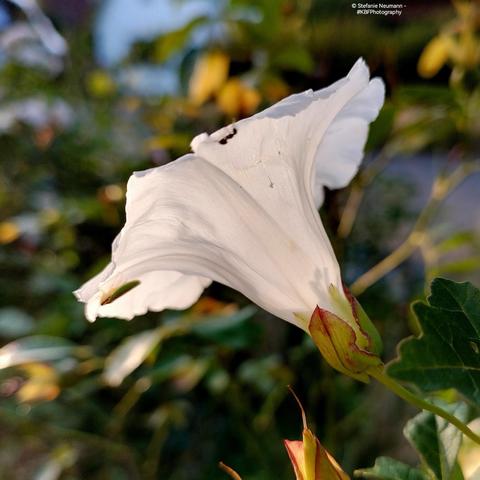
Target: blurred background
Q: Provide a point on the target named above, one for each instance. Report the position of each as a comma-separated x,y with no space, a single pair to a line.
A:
92,90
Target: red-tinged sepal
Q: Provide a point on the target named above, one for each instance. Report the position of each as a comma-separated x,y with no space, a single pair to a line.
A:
350,344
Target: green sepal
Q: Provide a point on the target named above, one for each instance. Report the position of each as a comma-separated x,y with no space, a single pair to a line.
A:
348,308
367,326
122,290
337,342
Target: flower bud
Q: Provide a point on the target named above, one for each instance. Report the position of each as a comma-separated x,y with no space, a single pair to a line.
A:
309,458
347,339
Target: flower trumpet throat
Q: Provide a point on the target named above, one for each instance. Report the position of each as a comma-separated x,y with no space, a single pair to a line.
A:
347,339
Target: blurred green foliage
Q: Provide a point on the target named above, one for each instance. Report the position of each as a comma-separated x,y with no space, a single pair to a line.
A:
169,395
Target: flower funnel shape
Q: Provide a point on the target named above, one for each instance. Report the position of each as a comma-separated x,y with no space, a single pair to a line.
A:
309,458
242,209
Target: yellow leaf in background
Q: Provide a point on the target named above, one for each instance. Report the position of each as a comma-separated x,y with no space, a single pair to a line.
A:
112,193
211,306
9,232
434,56
209,74
180,141
229,98
467,52
41,385
274,89
236,99
250,101
464,8
100,84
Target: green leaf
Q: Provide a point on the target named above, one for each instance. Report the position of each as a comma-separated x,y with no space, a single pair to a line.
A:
135,349
172,42
437,441
386,468
447,353
232,330
426,94
294,57
465,265
381,128
455,241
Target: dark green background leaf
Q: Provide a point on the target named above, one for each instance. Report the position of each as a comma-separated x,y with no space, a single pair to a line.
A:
437,441
447,354
386,468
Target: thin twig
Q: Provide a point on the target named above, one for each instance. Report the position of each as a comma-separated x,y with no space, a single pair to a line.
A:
442,187
229,471
357,192
419,402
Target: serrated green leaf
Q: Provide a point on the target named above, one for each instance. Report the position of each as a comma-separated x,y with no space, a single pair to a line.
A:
437,441
386,468
447,353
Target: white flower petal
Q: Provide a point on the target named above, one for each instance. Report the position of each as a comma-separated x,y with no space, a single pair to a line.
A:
322,133
341,150
156,291
191,216
241,210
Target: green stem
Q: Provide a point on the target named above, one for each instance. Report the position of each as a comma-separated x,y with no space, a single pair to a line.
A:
410,397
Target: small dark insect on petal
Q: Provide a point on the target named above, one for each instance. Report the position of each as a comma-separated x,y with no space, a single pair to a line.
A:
126,287
225,139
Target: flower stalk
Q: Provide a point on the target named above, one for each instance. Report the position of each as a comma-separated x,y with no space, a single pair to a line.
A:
442,187
380,375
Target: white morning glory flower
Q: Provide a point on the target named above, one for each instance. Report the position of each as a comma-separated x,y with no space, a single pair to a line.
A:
242,210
